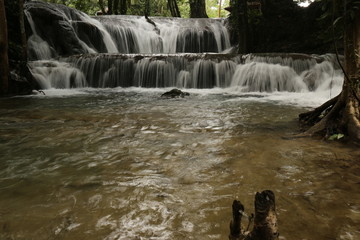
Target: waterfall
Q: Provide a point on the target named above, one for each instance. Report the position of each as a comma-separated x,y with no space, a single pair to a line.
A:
224,73
298,62
119,34
265,77
125,51
190,71
125,70
37,47
52,74
52,31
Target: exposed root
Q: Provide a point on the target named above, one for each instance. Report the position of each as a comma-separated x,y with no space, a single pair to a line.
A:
330,123
312,117
340,115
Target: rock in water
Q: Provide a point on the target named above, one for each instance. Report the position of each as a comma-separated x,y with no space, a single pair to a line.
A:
175,93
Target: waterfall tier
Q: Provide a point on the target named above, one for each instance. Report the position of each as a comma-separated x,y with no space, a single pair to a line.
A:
61,31
185,71
69,49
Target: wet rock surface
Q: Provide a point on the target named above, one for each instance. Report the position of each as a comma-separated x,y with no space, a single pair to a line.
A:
175,93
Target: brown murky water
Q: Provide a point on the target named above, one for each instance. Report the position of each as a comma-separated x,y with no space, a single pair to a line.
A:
130,165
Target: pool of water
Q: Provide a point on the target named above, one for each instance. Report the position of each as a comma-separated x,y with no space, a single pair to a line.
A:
127,164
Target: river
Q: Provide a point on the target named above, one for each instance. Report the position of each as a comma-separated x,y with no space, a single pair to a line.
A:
125,163
102,156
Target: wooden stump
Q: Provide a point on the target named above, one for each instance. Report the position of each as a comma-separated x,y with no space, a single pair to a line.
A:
265,222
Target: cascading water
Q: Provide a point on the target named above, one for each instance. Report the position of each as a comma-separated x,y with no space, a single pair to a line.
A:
125,51
135,34
121,34
188,71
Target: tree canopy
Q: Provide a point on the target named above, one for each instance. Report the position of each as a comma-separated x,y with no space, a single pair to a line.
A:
137,7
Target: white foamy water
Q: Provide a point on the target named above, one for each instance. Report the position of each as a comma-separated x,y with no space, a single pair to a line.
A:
236,94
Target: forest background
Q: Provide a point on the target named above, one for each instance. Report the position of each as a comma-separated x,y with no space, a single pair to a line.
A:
157,7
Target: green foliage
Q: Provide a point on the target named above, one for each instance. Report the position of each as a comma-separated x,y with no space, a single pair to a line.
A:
336,136
336,15
87,6
184,8
157,8
137,7
212,8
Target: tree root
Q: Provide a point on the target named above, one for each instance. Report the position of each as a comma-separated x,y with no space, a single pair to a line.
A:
340,115
330,119
312,117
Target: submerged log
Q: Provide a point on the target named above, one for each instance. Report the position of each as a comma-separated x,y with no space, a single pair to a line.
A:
265,222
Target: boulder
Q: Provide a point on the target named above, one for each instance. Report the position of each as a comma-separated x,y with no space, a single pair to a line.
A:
175,93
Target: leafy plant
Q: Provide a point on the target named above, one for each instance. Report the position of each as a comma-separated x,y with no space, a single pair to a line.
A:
336,136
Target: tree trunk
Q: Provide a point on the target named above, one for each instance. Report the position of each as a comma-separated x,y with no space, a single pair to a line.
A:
147,8
23,38
351,86
123,7
101,5
243,25
174,9
219,10
20,78
343,114
116,7
4,60
110,7
198,9
239,24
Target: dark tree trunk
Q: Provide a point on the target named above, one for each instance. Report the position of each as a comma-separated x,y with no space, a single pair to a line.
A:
116,7
198,9
147,8
342,114
123,7
101,5
239,24
243,24
351,88
23,38
174,9
21,80
4,60
110,7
